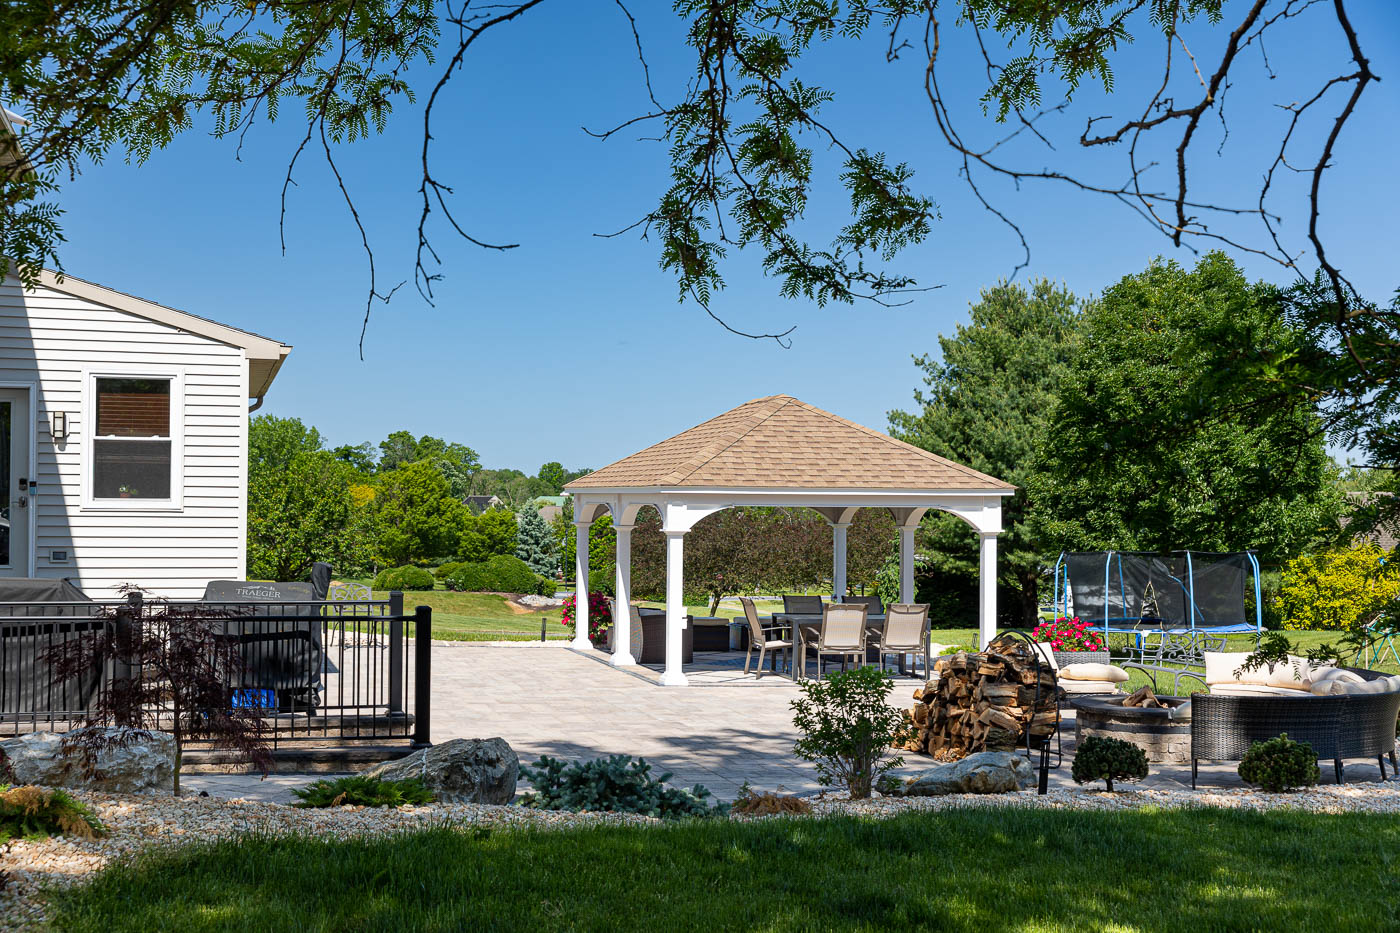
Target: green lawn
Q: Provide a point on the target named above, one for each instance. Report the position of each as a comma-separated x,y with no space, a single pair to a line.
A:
479,616
976,870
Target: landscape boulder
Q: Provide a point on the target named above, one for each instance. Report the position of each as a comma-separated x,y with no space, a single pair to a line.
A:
127,762
980,773
460,770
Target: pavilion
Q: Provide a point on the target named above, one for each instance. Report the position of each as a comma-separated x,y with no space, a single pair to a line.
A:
779,451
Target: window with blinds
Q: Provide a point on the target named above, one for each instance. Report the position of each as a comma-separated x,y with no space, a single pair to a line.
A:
132,444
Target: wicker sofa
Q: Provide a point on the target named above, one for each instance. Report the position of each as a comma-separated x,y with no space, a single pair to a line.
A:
1225,722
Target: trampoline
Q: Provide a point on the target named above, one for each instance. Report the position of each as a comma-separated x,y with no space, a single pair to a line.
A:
1130,592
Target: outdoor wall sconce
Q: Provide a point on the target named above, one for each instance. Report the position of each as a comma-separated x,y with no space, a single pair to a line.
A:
58,425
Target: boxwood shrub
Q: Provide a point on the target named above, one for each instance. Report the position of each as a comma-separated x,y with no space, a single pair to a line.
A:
404,578
504,573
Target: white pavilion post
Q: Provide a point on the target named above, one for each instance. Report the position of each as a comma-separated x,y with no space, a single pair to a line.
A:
674,675
838,560
906,563
622,611
581,586
987,589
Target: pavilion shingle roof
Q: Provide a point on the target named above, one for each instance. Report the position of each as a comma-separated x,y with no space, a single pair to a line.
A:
780,442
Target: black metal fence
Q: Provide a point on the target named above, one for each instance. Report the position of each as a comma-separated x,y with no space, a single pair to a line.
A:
322,672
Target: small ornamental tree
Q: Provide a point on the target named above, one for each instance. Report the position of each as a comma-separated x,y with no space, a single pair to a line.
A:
1108,760
534,544
599,614
847,727
183,661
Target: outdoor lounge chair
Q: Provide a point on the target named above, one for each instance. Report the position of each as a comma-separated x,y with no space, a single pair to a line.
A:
762,637
843,634
906,632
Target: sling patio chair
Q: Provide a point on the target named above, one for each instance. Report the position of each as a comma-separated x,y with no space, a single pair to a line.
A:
877,608
763,637
906,632
803,605
843,634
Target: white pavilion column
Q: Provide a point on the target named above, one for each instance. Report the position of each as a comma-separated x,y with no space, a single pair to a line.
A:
674,675
906,562
838,559
622,613
581,586
987,588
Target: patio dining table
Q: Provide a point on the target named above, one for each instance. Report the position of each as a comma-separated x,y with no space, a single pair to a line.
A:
808,625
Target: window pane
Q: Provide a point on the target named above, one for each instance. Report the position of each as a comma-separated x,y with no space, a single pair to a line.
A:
133,407
131,469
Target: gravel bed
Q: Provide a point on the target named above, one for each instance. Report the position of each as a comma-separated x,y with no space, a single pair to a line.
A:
135,824
1346,798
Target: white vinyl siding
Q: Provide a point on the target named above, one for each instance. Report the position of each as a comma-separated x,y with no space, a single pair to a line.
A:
58,342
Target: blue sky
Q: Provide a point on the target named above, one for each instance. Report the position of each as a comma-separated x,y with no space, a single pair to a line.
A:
574,348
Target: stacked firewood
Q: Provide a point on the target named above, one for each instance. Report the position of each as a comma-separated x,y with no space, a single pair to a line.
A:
983,701
1144,697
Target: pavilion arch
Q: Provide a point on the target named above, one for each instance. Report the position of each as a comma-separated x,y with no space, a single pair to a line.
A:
778,451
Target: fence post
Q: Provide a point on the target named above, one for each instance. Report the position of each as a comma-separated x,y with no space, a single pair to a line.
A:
396,639
128,624
422,675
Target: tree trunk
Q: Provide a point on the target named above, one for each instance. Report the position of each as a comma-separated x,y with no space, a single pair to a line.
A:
1030,600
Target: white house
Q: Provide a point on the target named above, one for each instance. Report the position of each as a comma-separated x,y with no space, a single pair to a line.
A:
123,439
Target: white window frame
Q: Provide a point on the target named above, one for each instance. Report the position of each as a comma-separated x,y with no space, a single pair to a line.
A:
176,502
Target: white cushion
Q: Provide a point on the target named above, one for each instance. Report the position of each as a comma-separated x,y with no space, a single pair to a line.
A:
1324,679
1379,685
1090,671
1296,674
1256,690
1088,687
1048,654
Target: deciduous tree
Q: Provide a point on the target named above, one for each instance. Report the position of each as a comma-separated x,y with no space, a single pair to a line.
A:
1167,432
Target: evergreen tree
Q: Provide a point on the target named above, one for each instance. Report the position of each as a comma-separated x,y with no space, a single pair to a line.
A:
534,544
987,402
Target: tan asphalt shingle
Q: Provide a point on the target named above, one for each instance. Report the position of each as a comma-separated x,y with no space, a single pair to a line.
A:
780,442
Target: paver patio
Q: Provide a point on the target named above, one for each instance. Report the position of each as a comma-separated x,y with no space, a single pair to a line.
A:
724,729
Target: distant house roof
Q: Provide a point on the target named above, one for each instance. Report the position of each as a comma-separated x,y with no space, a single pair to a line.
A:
551,500
11,152
782,442
482,503
1387,536
265,355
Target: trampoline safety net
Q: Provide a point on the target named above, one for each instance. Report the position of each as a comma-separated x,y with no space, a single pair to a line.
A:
1181,589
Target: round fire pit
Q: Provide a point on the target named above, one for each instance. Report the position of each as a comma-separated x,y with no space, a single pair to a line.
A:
1156,731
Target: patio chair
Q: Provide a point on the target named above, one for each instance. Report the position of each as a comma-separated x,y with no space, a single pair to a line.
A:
877,608
906,632
843,634
803,605
762,637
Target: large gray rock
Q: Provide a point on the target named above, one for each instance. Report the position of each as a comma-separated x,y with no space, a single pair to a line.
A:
128,763
460,770
979,773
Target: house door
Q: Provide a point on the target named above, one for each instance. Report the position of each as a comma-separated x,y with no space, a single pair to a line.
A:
15,438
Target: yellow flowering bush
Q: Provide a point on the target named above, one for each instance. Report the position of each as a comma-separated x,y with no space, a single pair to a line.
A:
1338,589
